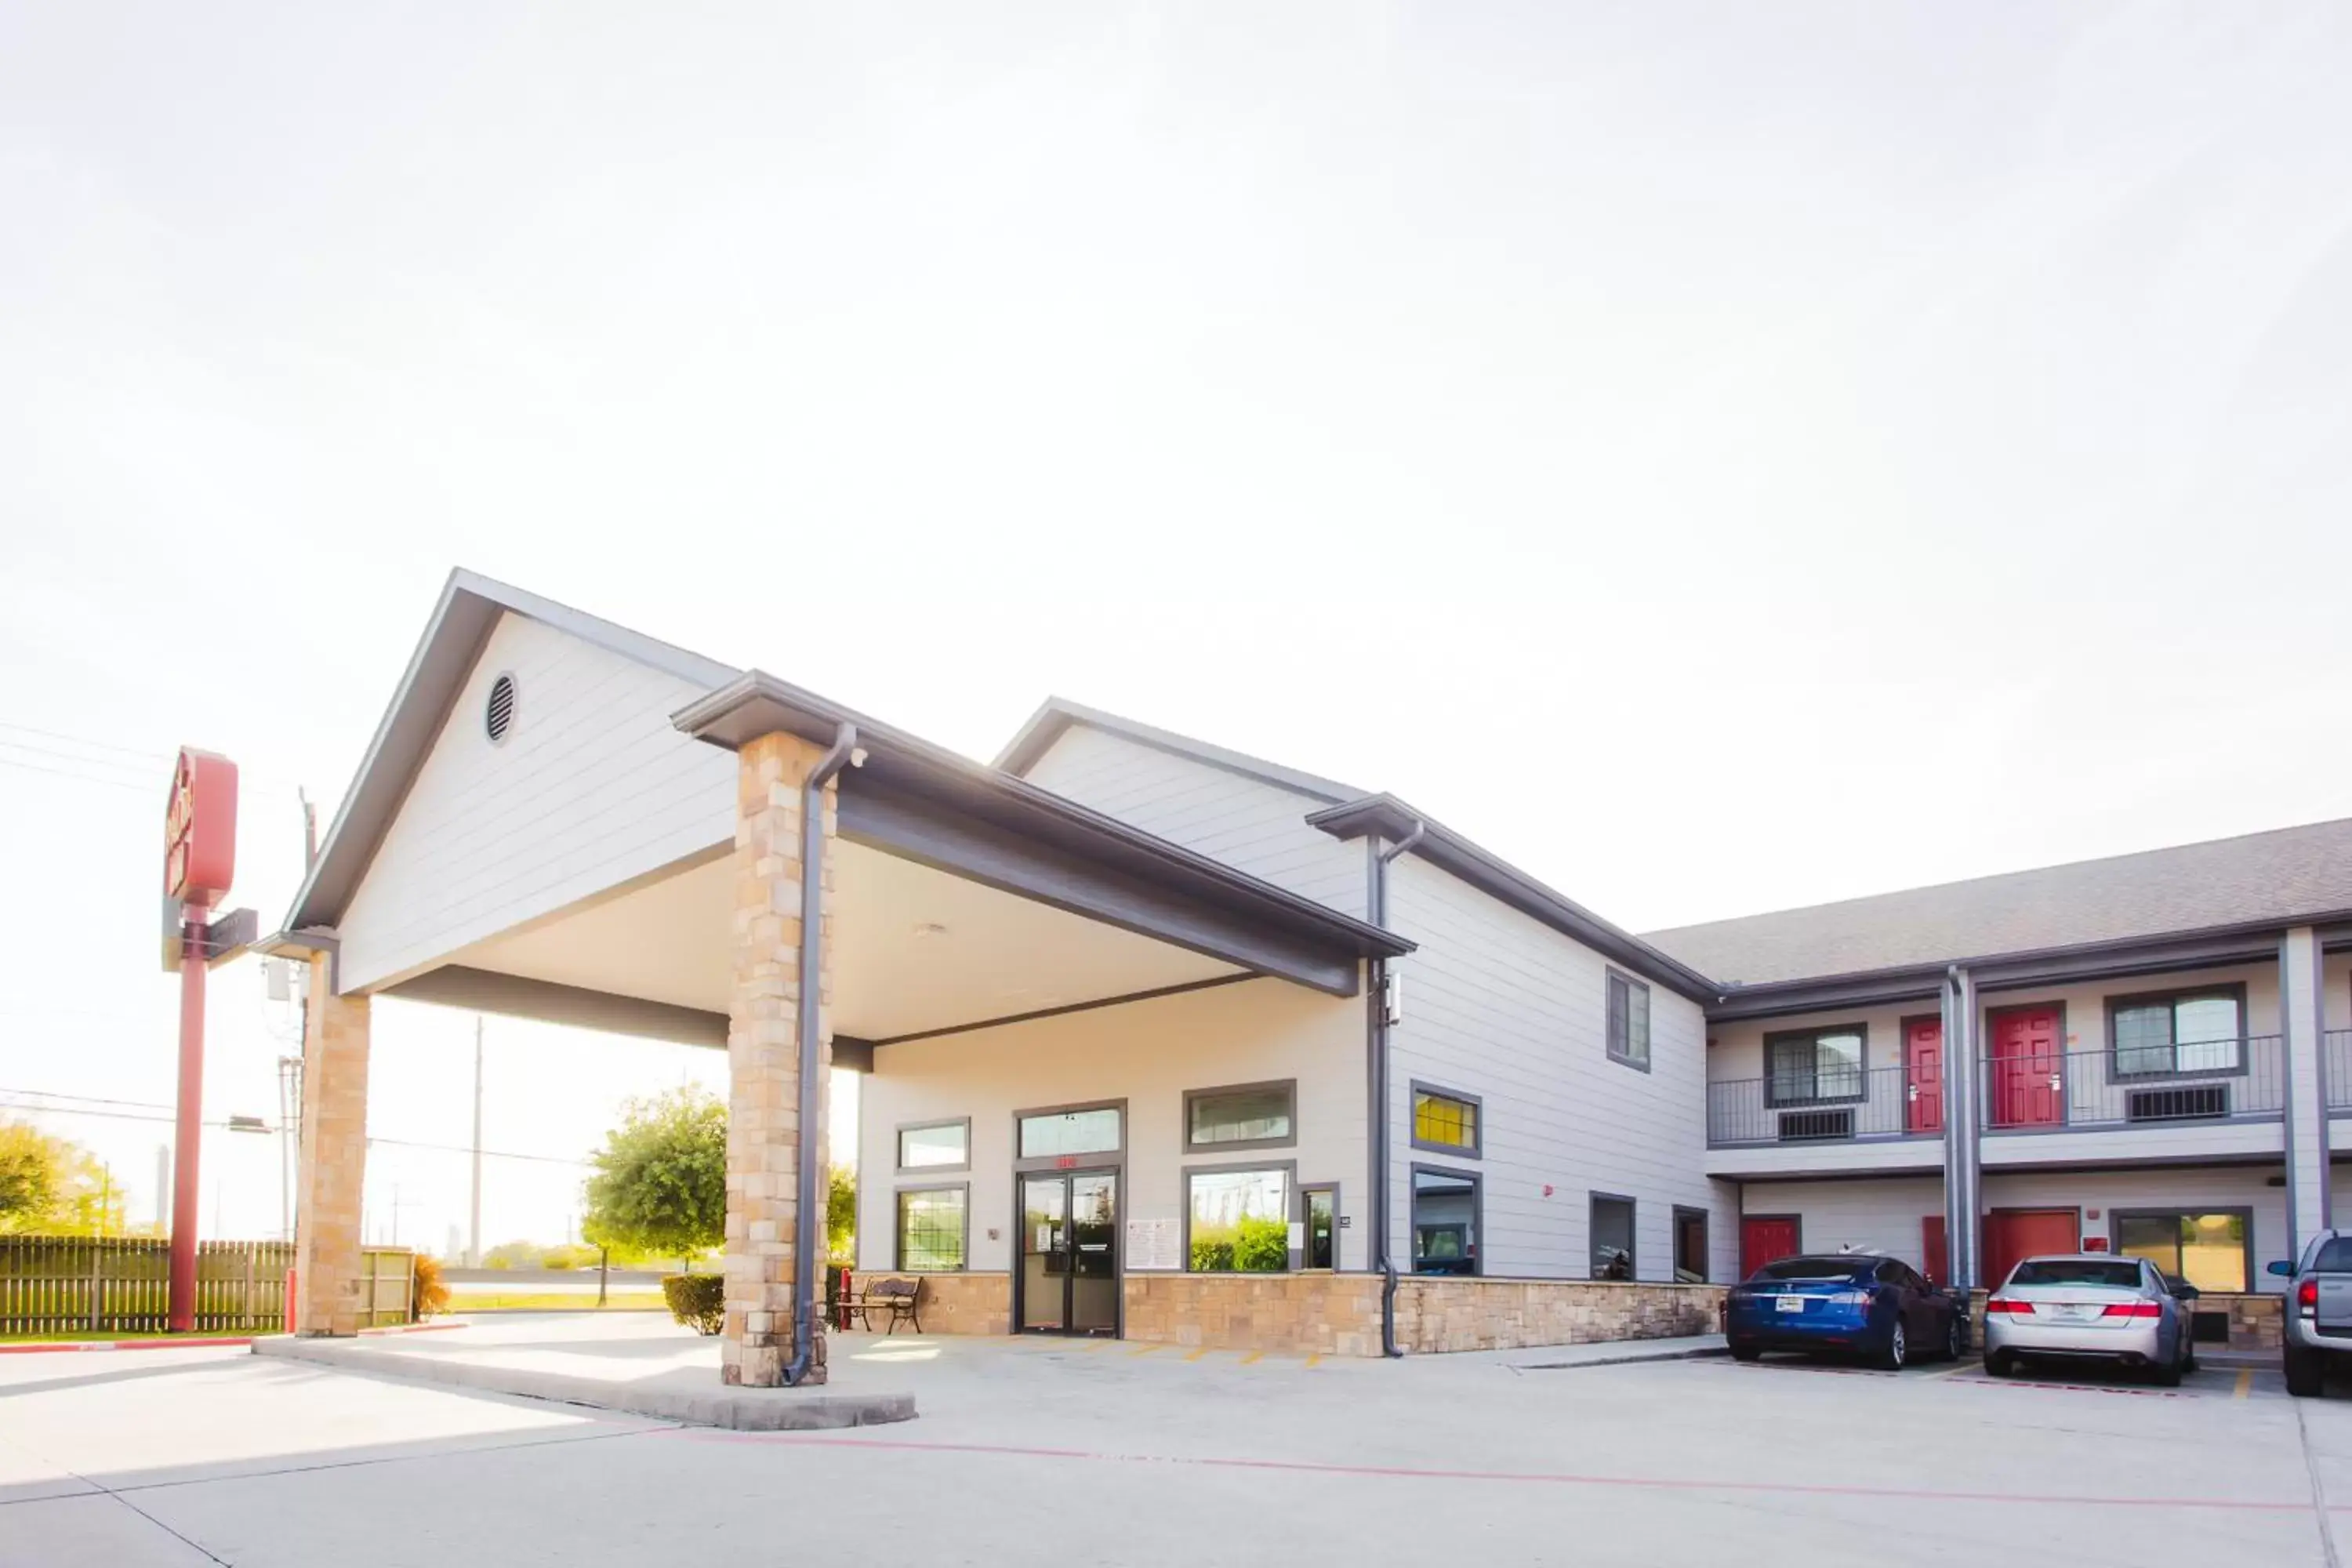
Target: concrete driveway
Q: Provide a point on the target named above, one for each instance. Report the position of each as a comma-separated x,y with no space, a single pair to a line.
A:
1105,1453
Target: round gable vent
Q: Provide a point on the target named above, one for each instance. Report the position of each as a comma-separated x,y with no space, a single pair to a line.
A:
499,717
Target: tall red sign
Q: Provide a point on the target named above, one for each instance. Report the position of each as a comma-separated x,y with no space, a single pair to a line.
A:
199,861
200,829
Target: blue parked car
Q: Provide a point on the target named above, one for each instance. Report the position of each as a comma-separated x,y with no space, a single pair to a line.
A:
1852,1303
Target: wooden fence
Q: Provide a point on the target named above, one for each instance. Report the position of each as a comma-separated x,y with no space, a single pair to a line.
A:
72,1284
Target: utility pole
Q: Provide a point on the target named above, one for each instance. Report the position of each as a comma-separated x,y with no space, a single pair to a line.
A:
474,1235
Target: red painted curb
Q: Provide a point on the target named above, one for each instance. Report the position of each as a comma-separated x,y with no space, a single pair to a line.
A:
125,1345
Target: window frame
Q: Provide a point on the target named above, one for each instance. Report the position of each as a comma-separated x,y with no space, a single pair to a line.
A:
898,1146
1593,1199
1305,1217
1705,1242
1608,1021
1477,1214
1474,1150
1288,1086
2244,1213
1093,1159
2114,1006
899,1195
1774,1100
1292,1214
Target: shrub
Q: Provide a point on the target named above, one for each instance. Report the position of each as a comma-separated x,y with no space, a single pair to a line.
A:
568,1256
1261,1245
699,1301
1210,1256
432,1291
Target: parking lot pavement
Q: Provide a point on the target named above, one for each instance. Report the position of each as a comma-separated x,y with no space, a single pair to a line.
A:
1100,1453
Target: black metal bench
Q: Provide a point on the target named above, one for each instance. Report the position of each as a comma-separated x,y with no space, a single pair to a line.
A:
901,1298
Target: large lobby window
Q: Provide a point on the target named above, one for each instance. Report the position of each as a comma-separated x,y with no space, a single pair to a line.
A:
1444,1221
2211,1250
1238,1221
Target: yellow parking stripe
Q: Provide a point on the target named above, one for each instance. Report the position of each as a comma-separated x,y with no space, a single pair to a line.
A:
1099,1346
2245,1381
1253,1357
1146,1350
1315,1360
1949,1372
1196,1355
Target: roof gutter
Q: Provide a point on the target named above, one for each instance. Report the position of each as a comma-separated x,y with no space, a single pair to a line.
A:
806,1268
1376,1071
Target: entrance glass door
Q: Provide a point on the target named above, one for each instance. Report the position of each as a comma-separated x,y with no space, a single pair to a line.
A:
1069,1253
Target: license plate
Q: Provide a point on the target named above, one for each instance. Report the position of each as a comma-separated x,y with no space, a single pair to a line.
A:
2071,1314
1789,1304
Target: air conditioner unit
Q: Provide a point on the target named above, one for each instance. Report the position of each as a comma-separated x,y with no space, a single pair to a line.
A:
2179,1102
1806,1126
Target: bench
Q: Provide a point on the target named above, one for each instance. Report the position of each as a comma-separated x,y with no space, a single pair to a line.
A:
901,1298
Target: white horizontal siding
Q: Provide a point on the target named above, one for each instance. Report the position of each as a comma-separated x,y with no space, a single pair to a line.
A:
1882,1215
1503,1007
1248,823
590,788
2099,1193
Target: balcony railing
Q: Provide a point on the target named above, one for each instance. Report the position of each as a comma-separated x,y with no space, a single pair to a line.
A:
2217,1080
1826,1107
2213,1080
2335,1063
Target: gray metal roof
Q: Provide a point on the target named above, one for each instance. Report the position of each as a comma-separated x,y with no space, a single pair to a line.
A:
1057,715
2288,876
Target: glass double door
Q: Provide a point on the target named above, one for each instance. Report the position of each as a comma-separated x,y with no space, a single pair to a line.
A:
1069,1253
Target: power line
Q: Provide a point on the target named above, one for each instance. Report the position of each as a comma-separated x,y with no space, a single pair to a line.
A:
82,741
85,778
158,761
93,1099
394,1142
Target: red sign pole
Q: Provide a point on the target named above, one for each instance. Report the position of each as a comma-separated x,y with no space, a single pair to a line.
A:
190,1136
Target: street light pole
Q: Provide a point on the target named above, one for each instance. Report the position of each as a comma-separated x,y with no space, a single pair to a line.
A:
474,1235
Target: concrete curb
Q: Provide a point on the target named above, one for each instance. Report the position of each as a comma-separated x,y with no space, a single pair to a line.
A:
739,1409
1628,1358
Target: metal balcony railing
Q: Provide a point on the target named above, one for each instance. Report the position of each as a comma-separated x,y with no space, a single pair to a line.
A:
2336,1066
1824,1107
2211,1081
2214,1080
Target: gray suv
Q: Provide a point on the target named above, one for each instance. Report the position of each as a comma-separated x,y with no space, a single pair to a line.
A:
2318,1311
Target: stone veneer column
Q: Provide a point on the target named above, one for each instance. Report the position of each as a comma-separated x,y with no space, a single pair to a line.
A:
334,1157
765,1142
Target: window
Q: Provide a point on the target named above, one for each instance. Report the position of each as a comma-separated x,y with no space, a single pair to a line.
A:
2116,1273
1613,1237
1238,1221
2211,1250
1051,1133
936,1146
1690,1247
1251,1116
1444,1221
1855,1268
1629,1020
1813,1066
1444,1120
2192,1032
932,1229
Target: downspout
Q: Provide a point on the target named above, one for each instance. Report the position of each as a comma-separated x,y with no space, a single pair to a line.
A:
806,1268
1385,1176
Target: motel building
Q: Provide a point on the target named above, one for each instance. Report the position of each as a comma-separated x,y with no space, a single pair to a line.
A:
1166,1043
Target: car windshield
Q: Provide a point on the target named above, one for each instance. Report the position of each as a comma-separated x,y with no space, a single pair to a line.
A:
2116,1273
1818,1269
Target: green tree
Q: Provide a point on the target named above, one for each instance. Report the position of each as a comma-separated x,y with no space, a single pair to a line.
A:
840,1213
52,1185
661,1177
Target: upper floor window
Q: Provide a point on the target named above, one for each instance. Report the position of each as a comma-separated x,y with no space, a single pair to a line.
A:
1629,1020
2189,1031
936,1146
1252,1116
1444,1120
1812,1067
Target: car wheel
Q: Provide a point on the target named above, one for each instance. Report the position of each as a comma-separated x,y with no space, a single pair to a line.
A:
1999,1363
1896,1350
2304,1373
2188,1354
1745,1352
1955,1337
2165,1377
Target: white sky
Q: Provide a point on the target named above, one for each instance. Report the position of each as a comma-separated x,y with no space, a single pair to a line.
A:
1718,455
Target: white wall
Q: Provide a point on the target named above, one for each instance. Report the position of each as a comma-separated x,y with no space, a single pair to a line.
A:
1500,1006
1147,1053
1248,823
590,788
1878,1215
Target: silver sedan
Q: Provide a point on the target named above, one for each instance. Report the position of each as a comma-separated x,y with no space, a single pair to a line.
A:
2090,1306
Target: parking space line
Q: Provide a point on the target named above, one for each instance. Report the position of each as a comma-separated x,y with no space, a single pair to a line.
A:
1146,1350
1952,1370
1253,1357
1316,1360
1196,1355
2245,1381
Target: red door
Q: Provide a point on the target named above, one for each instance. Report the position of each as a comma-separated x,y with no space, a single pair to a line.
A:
2014,1233
2027,1068
1763,1238
1935,1256
1923,1057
